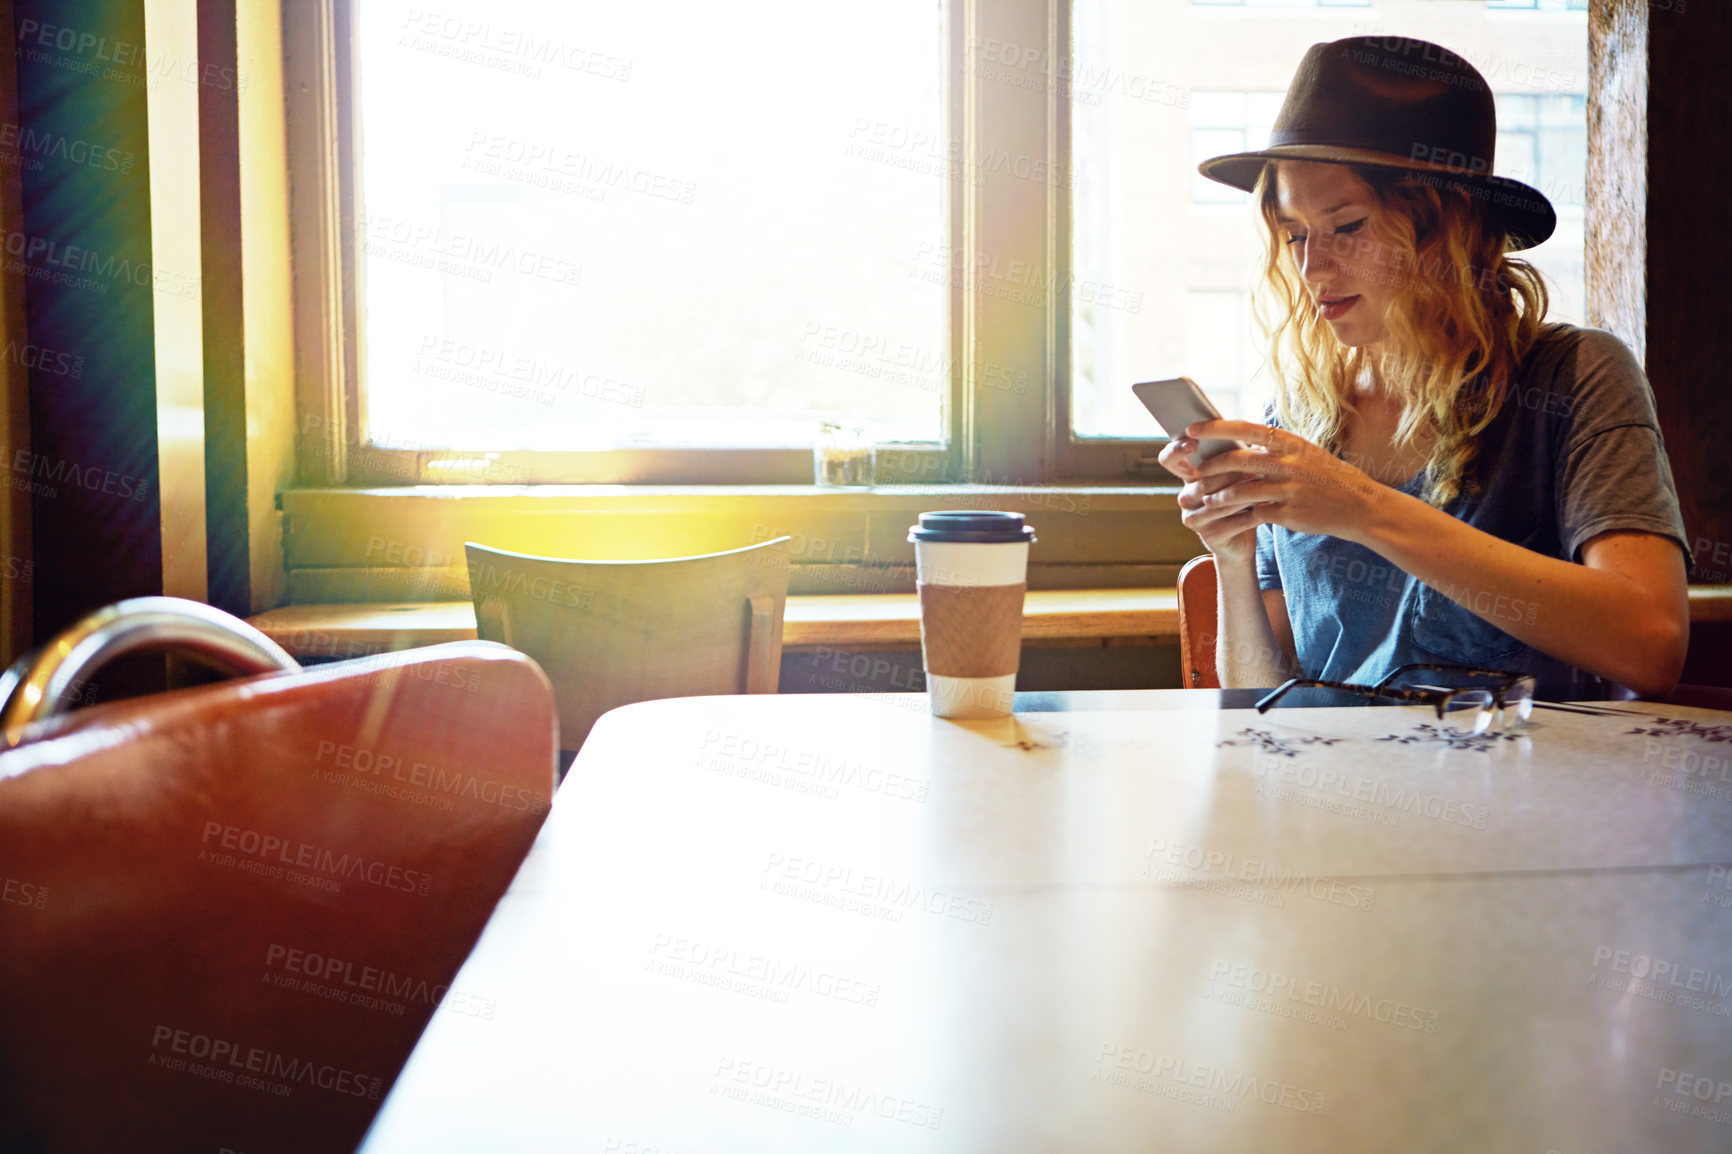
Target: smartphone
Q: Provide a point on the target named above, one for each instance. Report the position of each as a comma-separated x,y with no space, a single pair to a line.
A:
1179,403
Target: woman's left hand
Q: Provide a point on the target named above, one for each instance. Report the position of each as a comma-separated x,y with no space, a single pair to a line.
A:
1294,483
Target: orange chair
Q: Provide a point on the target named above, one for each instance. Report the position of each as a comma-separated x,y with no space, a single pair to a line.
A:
227,913
1197,613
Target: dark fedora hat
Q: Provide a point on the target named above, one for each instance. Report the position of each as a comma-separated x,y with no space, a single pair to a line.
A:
1395,102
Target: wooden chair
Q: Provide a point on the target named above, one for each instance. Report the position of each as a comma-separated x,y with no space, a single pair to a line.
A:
1197,613
228,912
610,633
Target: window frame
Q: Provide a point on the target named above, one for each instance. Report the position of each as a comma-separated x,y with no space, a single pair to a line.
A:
996,435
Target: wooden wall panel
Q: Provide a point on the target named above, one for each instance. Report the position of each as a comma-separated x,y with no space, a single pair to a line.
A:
1689,263
248,317
85,236
17,564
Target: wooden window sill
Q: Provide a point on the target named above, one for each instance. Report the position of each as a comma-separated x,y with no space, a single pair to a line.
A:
853,621
1051,617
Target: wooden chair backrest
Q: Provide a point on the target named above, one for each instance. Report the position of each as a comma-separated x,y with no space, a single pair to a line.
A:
230,911
1197,613
610,633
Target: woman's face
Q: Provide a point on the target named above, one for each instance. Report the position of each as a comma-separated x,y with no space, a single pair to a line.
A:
1325,214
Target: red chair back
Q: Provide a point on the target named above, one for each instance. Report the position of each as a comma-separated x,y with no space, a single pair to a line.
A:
230,911
1197,613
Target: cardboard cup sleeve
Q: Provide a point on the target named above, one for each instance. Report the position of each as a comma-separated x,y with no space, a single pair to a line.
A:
971,630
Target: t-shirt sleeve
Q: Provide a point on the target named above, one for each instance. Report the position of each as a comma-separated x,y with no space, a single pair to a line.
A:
1613,472
1268,573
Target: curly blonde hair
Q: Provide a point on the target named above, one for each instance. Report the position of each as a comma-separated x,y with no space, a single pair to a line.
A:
1463,316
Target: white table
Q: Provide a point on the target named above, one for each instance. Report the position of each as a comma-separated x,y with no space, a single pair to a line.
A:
833,923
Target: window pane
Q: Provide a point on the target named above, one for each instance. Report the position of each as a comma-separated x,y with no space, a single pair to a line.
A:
1283,3
594,225
1142,218
1207,142
1218,344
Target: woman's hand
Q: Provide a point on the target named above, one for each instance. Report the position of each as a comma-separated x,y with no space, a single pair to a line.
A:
1280,479
1226,530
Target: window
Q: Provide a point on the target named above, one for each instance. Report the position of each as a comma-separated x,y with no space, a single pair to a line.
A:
887,183
1223,122
1219,347
582,245
1282,3
1543,140
1538,5
1143,217
579,230
714,248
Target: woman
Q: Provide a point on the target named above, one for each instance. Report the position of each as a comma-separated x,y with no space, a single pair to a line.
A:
1446,478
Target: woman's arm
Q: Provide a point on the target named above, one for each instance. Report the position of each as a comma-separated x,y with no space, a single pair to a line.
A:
1254,639
1253,636
1622,614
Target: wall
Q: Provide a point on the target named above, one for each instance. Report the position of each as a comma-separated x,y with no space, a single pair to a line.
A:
1689,298
83,246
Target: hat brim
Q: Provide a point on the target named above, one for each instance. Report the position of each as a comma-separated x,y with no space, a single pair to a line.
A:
1523,212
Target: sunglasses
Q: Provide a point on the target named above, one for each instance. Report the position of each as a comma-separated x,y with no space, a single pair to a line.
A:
1506,699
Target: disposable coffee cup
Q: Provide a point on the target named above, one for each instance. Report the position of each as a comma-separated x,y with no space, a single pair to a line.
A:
972,573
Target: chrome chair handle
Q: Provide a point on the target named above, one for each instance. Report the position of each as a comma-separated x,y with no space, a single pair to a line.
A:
47,683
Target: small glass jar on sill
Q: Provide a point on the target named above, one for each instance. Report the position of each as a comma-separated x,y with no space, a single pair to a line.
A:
844,457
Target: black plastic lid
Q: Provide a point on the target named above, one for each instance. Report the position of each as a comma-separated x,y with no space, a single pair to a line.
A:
971,527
